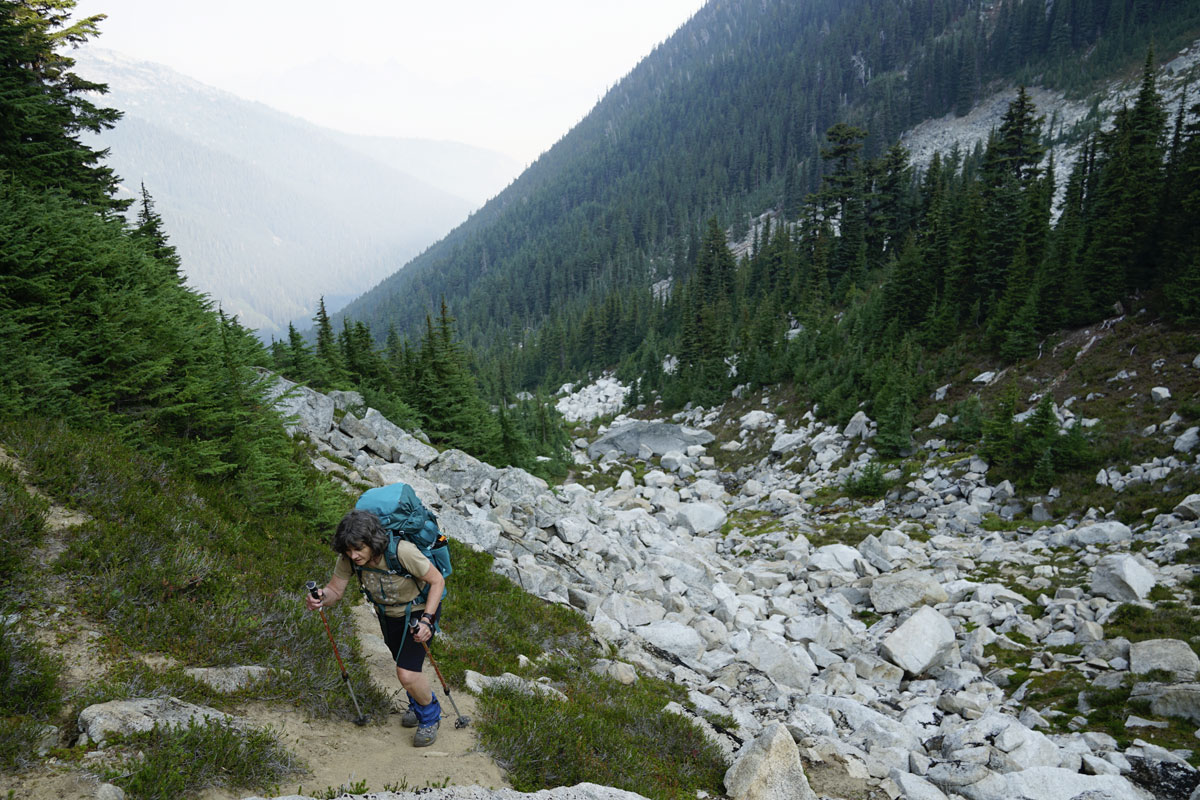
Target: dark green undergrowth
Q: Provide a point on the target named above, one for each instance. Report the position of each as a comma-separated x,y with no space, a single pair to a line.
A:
22,528
605,733
183,568
29,691
181,762
1166,620
30,696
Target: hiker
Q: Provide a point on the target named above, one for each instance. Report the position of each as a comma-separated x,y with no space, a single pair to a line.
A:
360,542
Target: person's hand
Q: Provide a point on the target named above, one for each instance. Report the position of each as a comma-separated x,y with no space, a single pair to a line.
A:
422,631
314,603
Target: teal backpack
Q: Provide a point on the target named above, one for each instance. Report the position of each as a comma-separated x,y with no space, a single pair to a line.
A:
405,518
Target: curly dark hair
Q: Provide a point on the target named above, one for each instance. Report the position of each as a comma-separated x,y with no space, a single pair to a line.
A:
359,528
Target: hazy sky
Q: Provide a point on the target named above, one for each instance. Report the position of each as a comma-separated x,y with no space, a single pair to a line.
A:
510,75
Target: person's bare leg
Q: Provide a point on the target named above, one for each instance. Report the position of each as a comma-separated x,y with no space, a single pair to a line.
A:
416,684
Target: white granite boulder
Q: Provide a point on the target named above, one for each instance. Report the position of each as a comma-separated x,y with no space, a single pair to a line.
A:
674,638
920,642
905,589
1122,578
769,768
1172,655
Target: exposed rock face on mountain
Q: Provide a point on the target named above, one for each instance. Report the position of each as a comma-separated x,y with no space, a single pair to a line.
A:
878,653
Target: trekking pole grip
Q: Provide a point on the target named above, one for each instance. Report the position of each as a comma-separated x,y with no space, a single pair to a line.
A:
313,590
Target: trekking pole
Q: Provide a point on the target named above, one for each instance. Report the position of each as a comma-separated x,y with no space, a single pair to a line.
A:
462,721
360,720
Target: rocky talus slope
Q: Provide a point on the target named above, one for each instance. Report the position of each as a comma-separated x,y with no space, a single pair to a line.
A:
920,642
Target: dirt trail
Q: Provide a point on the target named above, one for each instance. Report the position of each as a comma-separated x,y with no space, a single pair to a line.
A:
337,753
341,754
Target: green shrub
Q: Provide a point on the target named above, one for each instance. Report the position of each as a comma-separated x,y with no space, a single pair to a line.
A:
1164,621
869,483
29,695
22,522
606,733
181,762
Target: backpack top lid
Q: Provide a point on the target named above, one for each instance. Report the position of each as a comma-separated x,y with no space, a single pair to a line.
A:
396,505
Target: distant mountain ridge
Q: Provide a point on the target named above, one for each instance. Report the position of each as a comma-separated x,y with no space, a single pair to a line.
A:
270,212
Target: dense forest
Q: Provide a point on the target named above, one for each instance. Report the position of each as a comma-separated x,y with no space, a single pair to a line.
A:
728,118
871,279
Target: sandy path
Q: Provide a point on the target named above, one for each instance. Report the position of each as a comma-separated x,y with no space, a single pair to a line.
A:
340,753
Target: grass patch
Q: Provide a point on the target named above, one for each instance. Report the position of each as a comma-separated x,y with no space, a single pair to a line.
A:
181,762
1165,621
751,522
607,733
29,696
846,530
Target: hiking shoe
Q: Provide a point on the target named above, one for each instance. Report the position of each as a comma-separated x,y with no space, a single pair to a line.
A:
426,735
409,720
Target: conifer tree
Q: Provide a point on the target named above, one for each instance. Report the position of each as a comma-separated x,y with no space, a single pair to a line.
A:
44,106
329,369
150,232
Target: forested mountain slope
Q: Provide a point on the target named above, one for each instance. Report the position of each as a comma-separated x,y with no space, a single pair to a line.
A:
728,118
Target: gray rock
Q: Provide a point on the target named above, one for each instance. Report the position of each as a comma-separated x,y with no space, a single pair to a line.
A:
661,437
460,472
479,532
757,420
1160,393
1107,532
1040,513
478,682
1171,699
1186,441
953,776
787,665
700,517
228,679
675,638
1052,783
905,589
786,442
1189,507
1120,577
859,426
304,410
347,401
1172,655
142,714
108,791
920,643
914,787
769,768
835,557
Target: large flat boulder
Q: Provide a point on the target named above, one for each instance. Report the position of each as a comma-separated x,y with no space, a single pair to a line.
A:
304,410
1171,655
905,589
660,438
138,715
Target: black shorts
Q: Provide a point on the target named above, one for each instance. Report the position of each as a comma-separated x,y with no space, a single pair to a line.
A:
410,656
